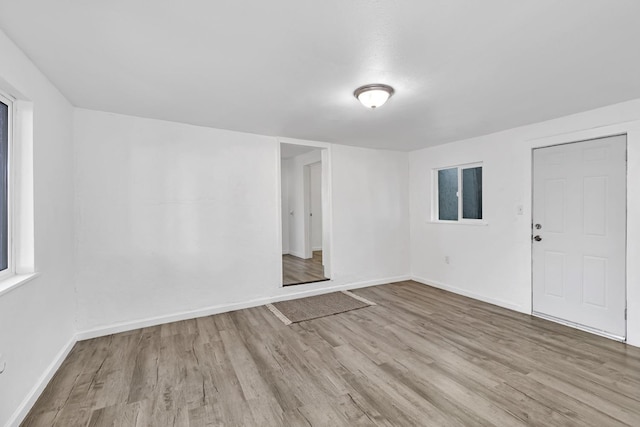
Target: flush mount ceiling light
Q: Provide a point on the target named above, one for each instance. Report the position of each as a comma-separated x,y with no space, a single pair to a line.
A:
373,95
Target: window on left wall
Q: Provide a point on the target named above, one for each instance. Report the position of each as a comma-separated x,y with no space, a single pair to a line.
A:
6,110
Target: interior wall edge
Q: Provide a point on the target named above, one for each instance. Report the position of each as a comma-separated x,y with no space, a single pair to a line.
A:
493,301
37,318
297,254
30,399
500,303
225,308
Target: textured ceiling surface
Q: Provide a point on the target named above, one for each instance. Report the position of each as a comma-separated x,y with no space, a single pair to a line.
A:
460,68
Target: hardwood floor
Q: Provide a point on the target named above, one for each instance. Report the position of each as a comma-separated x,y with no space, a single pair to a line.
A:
422,356
296,271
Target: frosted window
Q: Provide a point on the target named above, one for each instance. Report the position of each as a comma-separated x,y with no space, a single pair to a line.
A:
459,193
448,194
472,193
4,152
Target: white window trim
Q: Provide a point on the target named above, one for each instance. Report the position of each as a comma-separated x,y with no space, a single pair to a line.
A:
10,270
435,199
21,262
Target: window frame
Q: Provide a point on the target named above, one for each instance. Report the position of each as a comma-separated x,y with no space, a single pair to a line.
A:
435,201
10,102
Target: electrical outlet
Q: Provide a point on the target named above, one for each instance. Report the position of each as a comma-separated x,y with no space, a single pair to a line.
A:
446,259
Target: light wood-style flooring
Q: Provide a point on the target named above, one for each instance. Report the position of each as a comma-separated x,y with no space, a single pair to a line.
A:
422,356
296,271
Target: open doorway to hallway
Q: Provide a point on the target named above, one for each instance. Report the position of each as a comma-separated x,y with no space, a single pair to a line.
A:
304,231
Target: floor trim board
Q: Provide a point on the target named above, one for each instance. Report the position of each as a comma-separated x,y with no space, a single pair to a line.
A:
297,254
579,326
305,283
21,412
224,308
33,395
455,332
453,289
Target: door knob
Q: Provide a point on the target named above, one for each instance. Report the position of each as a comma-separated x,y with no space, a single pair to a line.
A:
537,238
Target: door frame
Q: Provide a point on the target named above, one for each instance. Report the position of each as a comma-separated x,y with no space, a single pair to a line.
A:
578,131
326,196
306,189
308,223
626,242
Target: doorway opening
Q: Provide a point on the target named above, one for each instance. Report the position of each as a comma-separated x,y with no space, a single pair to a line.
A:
304,193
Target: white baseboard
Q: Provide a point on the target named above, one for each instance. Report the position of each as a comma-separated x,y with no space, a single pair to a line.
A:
294,293
498,302
31,398
33,395
168,318
297,254
319,248
377,282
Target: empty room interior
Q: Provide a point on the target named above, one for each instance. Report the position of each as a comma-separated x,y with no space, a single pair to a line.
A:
336,213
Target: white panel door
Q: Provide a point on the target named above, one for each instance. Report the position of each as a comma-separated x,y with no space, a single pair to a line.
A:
579,229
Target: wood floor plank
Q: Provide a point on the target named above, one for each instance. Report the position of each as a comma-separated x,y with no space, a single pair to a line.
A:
296,270
422,356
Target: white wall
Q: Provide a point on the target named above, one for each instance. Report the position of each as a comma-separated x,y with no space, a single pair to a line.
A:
176,220
171,217
37,318
296,200
370,213
493,262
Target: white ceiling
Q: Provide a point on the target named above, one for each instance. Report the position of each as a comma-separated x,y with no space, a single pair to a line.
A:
460,68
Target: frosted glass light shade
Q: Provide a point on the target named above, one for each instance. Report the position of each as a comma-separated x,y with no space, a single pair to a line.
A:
374,95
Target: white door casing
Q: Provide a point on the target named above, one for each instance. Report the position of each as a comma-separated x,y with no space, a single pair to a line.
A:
315,191
579,263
